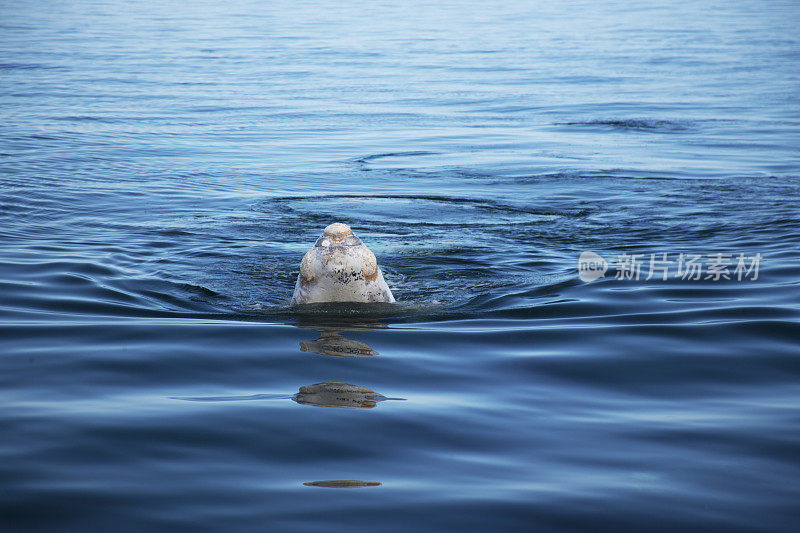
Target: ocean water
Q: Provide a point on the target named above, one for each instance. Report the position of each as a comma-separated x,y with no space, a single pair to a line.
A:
165,165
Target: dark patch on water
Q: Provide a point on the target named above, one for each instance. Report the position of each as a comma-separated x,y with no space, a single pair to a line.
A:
635,124
368,158
342,483
25,66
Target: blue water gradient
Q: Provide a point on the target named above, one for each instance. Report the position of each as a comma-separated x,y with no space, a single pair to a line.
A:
165,165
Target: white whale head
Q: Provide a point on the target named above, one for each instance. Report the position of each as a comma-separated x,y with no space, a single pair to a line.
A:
339,268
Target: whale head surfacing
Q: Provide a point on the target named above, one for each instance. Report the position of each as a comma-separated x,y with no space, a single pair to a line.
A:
339,268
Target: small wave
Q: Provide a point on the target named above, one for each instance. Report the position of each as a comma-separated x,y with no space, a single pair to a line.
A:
84,118
368,158
86,288
489,207
25,66
233,398
633,124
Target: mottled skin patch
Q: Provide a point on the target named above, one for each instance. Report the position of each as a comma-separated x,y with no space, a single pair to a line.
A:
306,276
370,269
337,231
340,269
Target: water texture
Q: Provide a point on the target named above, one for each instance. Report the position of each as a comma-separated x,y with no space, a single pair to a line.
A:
165,165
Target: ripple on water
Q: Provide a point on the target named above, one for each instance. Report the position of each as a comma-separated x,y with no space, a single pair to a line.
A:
165,166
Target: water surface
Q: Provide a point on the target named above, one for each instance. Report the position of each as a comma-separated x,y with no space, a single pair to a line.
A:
164,166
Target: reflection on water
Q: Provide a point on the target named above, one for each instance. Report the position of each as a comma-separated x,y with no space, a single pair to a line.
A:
339,394
328,394
325,394
342,483
336,394
331,343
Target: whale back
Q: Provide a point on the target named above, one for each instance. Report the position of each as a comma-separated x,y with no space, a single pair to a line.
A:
340,268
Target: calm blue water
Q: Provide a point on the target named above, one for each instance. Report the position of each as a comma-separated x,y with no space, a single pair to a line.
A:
165,165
